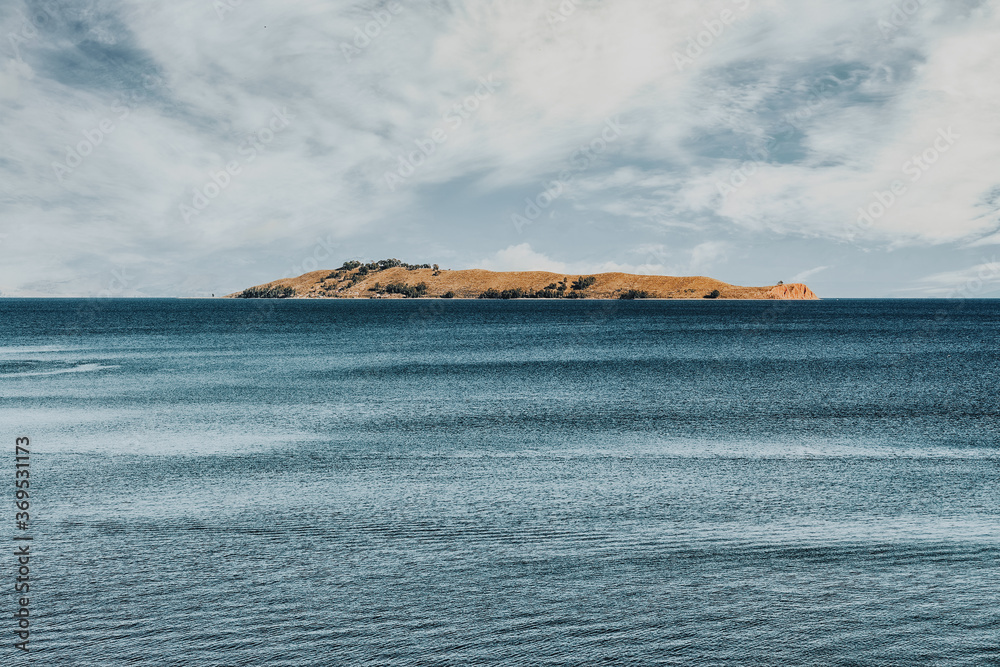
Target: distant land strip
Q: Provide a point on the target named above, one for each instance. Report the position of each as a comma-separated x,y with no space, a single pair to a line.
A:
393,279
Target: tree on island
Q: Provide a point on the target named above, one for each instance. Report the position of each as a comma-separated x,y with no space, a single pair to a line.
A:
267,293
408,291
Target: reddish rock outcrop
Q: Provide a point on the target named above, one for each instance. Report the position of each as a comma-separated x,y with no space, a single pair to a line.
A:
791,291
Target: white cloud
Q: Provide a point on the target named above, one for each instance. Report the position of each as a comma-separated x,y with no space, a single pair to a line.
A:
521,258
962,283
993,239
685,130
706,255
805,275
862,150
653,260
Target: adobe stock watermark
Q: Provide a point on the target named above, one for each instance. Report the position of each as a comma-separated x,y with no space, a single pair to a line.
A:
427,145
819,92
265,310
42,17
562,12
914,168
901,14
29,31
741,175
324,249
714,28
91,309
363,37
987,273
223,7
220,180
38,20
122,108
579,161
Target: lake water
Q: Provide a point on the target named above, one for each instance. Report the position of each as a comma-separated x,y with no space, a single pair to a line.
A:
219,482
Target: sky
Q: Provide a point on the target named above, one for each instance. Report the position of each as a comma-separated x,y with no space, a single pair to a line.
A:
190,148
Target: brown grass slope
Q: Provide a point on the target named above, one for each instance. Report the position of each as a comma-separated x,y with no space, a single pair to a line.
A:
469,284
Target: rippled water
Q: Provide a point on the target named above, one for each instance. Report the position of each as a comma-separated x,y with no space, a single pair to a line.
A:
562,483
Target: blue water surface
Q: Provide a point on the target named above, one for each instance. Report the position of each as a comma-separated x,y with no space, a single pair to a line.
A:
427,482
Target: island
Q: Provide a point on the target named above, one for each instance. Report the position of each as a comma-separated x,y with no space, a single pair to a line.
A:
393,279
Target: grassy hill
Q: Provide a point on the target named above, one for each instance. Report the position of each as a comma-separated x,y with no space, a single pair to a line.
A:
391,279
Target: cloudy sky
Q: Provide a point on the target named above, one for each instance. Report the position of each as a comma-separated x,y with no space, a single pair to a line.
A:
195,147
